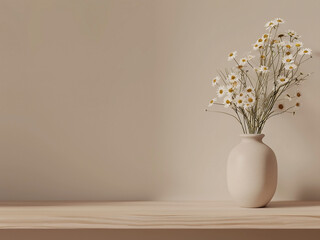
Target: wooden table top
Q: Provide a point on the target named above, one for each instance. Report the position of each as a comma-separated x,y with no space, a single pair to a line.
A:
157,215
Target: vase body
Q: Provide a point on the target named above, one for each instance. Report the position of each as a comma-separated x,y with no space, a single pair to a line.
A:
252,172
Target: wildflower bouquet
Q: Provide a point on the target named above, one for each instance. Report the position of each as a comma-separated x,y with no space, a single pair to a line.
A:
258,90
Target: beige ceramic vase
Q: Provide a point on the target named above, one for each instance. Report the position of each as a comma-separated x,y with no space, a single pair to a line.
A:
252,172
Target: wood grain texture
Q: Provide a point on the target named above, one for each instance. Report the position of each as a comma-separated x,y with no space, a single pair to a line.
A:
157,215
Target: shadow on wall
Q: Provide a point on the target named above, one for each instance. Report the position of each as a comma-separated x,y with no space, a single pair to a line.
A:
308,193
299,146
308,189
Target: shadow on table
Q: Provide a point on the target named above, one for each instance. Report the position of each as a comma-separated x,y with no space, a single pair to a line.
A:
293,204
157,234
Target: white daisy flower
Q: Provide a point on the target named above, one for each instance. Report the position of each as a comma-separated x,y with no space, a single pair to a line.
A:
240,66
290,66
263,69
232,77
250,99
239,101
243,61
265,36
288,45
250,57
270,25
287,59
241,94
282,80
250,90
221,91
247,106
298,44
260,41
279,20
292,33
215,81
232,55
275,41
305,51
230,89
235,84
212,101
227,101
288,53
257,46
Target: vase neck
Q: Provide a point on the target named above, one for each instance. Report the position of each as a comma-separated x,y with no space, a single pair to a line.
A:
251,137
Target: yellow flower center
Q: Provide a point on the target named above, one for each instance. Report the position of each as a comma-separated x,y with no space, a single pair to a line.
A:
214,80
288,53
211,101
305,51
243,60
250,100
260,40
298,94
241,94
227,101
240,101
271,23
230,90
231,54
249,90
262,56
288,60
220,91
280,106
266,36
279,20
291,67
288,46
298,45
282,79
298,104
233,77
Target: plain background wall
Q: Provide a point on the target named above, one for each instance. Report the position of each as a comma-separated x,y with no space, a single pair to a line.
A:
104,100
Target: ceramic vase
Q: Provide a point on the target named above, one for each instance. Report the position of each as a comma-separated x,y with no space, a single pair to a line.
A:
252,172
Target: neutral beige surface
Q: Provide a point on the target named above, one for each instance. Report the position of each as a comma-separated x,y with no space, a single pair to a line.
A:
104,99
212,234
157,215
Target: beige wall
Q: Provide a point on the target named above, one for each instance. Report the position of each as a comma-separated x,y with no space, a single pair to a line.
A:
104,99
